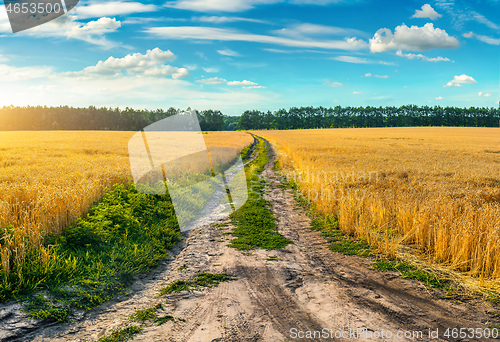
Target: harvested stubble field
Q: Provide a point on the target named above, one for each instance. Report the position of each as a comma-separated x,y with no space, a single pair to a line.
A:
49,179
432,191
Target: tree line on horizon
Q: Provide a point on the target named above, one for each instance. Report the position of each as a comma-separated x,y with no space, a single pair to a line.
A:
128,119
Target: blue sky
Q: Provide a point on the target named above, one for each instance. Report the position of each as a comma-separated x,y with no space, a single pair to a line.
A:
256,54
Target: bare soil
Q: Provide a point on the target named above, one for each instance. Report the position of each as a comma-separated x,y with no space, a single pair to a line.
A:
307,288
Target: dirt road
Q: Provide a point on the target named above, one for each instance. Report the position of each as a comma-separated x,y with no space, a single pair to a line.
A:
308,288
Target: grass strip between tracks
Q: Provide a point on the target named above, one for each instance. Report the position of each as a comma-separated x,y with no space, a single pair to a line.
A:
255,223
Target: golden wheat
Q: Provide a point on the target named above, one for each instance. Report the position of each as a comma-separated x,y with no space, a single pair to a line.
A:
435,190
49,179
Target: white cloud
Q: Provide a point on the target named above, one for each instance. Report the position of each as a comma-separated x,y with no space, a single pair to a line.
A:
100,27
228,52
254,87
218,5
148,65
67,26
484,39
237,5
222,20
351,59
167,70
412,38
294,51
10,73
190,67
368,75
211,70
306,30
111,9
242,83
384,76
480,93
487,95
211,33
427,12
425,58
356,92
213,80
358,60
333,84
483,20
458,80
461,12
439,98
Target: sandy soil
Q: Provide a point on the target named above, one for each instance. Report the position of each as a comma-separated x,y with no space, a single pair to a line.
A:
308,288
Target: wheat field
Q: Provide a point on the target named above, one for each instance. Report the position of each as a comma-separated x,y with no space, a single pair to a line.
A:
434,191
48,179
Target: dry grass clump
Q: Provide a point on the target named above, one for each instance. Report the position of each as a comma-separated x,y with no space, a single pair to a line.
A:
436,190
49,179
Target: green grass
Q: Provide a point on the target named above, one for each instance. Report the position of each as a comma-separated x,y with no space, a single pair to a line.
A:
141,316
97,257
350,247
246,153
121,335
151,315
276,166
409,271
255,223
165,319
200,281
274,259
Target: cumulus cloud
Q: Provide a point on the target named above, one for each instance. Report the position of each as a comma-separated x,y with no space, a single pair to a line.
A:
458,80
427,12
368,75
242,83
89,31
333,84
439,98
482,94
67,26
212,33
149,65
211,70
420,56
356,92
412,38
213,80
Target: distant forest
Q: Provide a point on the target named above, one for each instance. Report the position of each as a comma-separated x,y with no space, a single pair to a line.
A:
92,118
